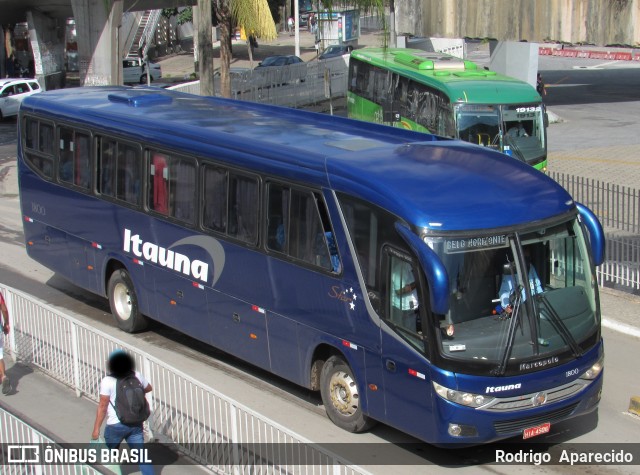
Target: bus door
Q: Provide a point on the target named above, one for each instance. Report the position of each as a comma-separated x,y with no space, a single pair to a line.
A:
404,345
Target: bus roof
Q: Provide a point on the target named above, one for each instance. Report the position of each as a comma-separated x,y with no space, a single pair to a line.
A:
462,81
431,182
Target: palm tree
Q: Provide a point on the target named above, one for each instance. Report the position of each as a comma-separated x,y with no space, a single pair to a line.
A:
255,17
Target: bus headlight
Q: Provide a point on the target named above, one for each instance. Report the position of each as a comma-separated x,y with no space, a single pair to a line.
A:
594,371
461,397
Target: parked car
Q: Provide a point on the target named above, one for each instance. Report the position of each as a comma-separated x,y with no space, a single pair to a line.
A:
12,91
334,51
280,60
134,70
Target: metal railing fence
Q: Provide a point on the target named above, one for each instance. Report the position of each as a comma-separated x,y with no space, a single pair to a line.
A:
618,209
621,268
18,432
295,85
211,428
616,206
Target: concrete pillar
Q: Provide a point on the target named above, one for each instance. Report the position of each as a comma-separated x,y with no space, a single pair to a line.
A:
3,54
98,31
47,45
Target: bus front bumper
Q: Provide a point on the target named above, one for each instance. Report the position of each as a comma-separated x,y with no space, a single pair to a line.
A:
462,426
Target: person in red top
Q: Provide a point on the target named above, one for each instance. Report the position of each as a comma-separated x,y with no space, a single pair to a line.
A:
6,383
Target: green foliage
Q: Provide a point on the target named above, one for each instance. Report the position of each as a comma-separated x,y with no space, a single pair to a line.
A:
255,17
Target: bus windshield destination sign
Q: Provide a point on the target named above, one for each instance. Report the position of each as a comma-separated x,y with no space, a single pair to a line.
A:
475,243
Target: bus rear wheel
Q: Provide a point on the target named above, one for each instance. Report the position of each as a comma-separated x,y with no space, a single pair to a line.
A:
341,396
124,303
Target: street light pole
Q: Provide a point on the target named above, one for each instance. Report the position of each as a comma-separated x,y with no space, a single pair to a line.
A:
296,26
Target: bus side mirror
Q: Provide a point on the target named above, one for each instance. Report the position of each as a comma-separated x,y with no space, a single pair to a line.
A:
433,269
596,233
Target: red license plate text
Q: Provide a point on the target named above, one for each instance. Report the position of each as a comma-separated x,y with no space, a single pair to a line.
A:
535,431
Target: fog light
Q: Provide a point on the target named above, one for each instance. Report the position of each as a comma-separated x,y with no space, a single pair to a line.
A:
461,430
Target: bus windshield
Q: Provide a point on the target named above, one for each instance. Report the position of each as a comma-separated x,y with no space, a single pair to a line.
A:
479,124
518,298
517,130
524,132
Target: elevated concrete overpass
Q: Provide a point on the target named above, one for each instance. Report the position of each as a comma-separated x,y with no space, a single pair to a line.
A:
101,34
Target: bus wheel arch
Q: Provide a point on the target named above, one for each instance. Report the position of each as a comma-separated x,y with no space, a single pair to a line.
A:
123,300
341,395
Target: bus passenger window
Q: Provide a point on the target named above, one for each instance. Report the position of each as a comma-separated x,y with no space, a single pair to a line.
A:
215,199
82,176
107,167
128,174
243,208
74,159
184,187
45,143
65,171
172,185
31,133
159,184
278,218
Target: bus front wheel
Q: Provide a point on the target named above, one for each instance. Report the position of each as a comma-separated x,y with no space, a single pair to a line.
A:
341,396
124,302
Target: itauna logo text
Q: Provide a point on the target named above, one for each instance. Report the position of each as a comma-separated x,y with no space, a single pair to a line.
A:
151,252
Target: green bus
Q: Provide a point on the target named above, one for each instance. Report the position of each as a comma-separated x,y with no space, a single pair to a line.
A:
444,95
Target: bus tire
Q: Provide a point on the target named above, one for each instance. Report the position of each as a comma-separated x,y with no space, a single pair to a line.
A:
341,396
124,303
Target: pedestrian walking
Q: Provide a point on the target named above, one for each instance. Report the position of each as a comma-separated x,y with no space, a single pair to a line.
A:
290,24
540,86
6,383
123,404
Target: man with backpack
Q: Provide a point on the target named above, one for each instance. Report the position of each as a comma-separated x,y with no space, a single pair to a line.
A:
123,404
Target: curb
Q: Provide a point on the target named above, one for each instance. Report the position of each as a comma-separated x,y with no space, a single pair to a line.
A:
634,405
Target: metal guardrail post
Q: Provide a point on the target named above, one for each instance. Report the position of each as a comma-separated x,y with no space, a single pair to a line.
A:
234,439
76,359
146,370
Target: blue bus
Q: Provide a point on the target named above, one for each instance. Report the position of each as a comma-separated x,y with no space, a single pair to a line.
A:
366,262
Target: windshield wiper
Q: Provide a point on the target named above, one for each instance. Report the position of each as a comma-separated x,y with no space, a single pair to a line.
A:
559,325
516,150
515,301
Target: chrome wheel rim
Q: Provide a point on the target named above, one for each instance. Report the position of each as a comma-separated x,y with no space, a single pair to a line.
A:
122,301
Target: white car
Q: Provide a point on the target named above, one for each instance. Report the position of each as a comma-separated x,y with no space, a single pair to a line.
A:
12,91
135,71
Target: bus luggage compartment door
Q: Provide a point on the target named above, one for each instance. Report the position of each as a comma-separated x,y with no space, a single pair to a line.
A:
239,328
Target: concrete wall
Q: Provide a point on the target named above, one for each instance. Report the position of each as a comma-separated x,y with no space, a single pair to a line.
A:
600,22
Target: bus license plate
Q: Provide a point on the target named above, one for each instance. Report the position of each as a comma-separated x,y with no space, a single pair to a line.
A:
535,431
